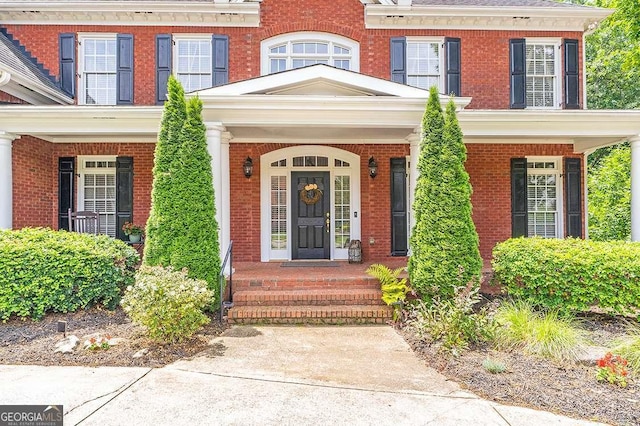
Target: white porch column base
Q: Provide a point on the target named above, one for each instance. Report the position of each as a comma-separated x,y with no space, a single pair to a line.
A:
219,164
6,181
414,154
635,189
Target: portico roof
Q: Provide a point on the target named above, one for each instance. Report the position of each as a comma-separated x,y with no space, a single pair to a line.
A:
322,105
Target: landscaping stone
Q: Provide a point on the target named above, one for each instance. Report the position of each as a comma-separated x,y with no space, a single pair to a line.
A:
67,345
591,354
141,353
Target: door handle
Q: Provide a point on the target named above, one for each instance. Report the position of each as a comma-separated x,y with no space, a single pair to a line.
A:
328,222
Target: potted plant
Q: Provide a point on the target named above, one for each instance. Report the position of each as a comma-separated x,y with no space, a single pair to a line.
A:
133,231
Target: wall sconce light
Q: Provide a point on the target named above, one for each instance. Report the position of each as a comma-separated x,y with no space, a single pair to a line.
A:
373,167
247,167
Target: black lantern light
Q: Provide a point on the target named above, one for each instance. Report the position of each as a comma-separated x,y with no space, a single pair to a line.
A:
247,167
373,167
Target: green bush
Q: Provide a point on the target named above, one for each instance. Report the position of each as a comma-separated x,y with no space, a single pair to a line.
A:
547,334
394,289
452,324
43,270
571,274
168,303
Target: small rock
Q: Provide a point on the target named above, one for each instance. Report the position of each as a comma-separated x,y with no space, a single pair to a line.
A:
67,345
116,341
591,354
141,353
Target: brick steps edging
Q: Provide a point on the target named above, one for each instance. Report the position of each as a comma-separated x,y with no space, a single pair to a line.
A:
308,297
319,283
333,314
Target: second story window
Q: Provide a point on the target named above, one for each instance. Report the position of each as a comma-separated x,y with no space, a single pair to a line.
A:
297,50
193,62
542,71
98,69
424,63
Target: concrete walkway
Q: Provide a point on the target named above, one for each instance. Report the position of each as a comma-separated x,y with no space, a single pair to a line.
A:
270,376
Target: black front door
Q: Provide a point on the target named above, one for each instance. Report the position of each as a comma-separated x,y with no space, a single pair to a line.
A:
310,215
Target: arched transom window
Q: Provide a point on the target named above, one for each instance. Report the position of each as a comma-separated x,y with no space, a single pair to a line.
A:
297,50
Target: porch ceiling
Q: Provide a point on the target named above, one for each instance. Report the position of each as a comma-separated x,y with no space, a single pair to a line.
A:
298,119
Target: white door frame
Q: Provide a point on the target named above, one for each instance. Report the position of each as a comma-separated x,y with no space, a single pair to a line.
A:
267,171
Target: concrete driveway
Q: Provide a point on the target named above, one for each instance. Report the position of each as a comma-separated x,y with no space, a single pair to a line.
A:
270,376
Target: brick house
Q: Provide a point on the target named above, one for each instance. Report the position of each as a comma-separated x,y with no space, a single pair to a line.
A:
306,92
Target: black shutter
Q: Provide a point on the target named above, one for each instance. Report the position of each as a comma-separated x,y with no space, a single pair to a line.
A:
452,66
124,69
571,75
124,193
163,66
518,69
399,60
519,217
220,49
573,194
398,207
67,54
66,166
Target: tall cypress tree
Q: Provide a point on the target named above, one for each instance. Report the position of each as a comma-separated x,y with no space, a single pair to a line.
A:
196,247
444,242
160,232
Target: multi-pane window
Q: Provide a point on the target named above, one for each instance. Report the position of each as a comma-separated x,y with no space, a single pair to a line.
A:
193,63
542,75
98,70
342,209
278,212
542,198
303,49
310,161
98,192
424,64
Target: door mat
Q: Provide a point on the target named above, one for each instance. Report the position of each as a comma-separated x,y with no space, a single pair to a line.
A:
304,264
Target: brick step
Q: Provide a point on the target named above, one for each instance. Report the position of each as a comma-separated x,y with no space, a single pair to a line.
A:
344,314
363,296
305,283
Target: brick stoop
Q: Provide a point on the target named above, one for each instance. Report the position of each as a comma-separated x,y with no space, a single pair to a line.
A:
328,306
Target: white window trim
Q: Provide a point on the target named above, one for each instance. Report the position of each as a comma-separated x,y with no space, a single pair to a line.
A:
557,97
82,37
440,41
266,171
559,187
307,36
185,37
82,170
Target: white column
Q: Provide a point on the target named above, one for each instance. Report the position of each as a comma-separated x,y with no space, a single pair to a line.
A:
219,164
6,181
414,153
225,193
635,188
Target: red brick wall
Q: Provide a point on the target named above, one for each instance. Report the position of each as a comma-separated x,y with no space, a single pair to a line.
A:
33,190
7,98
35,177
489,167
485,54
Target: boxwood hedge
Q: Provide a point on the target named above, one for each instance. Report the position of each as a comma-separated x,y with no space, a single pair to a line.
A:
43,270
571,274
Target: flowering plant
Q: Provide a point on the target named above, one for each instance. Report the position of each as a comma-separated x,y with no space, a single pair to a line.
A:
103,343
131,229
613,369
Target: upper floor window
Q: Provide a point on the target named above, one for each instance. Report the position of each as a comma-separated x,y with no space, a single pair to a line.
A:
543,73
193,62
297,50
97,69
424,63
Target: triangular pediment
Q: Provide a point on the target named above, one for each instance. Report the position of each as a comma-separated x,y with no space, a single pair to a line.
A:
316,80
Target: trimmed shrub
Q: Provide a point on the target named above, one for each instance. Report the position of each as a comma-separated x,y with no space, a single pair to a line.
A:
570,274
168,303
444,241
43,270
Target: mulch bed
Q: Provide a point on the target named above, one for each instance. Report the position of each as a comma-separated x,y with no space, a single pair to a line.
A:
568,389
33,342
